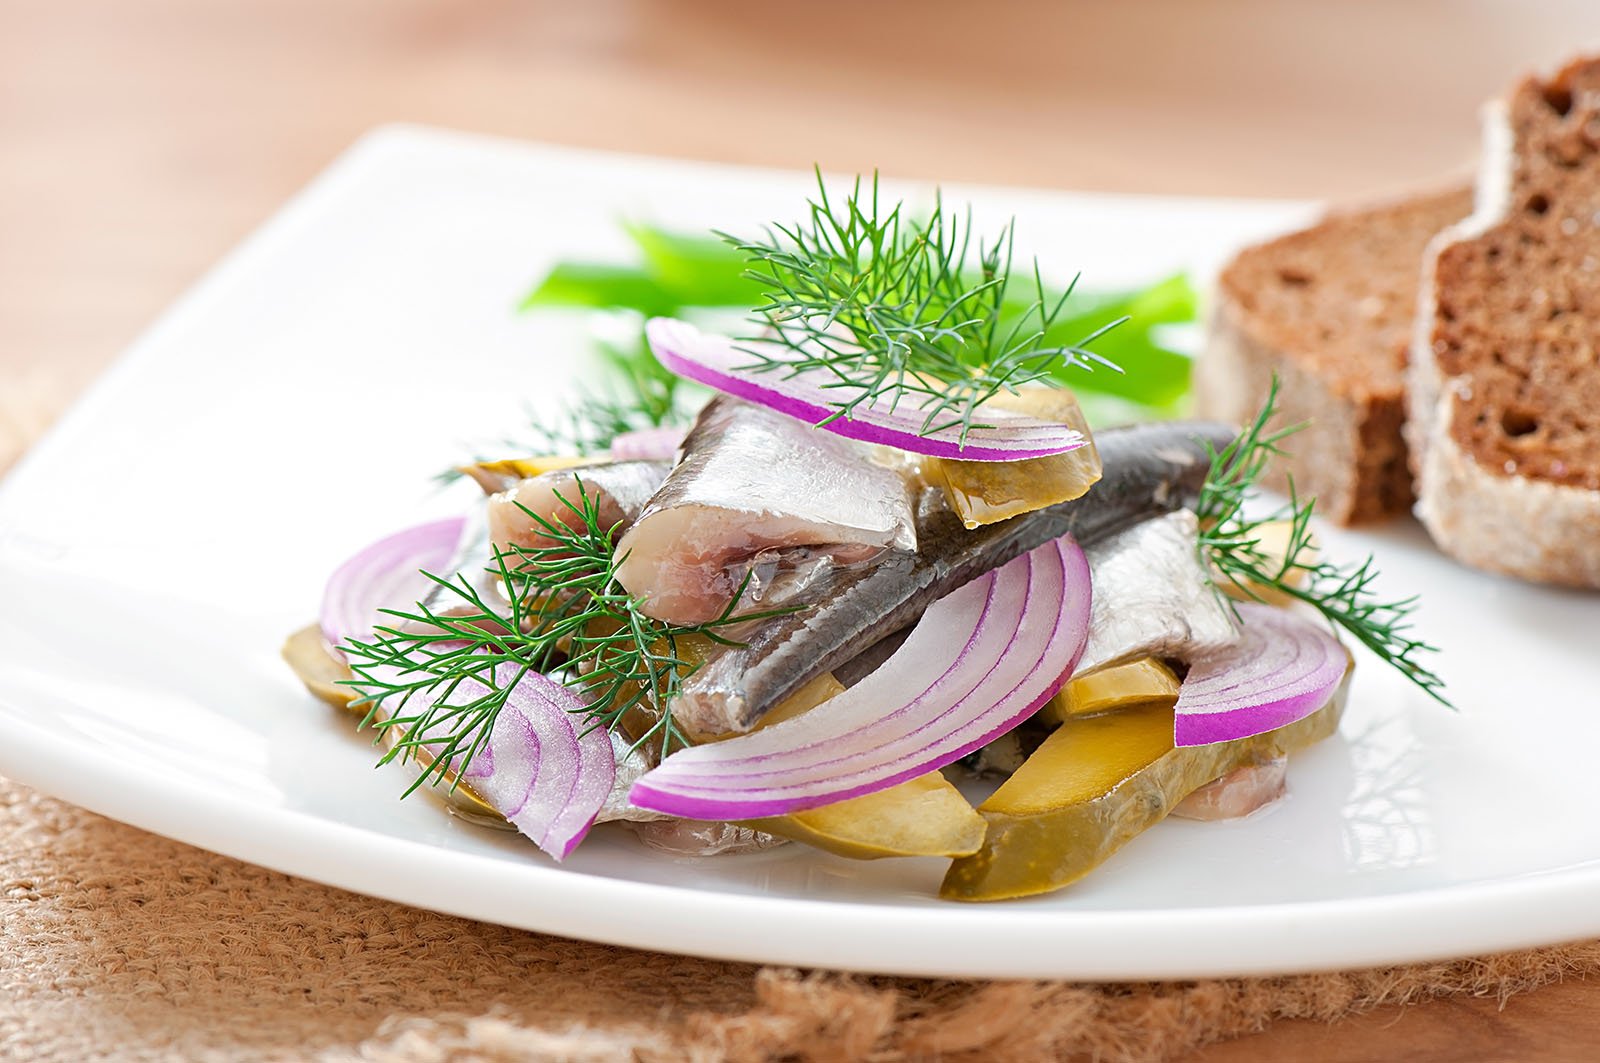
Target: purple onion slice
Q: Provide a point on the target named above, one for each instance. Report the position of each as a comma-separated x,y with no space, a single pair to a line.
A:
647,444
385,575
811,396
981,660
1282,668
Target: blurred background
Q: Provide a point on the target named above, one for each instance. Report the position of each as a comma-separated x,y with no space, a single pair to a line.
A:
139,139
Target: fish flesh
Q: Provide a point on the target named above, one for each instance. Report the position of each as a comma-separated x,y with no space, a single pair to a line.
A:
1150,470
619,492
1153,597
1239,793
757,494
697,837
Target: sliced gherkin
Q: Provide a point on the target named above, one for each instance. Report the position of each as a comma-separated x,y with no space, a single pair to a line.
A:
987,492
1145,681
1272,541
497,476
1094,784
924,816
308,655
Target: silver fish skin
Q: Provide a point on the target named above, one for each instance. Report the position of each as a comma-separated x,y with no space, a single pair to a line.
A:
1152,597
1150,470
757,490
620,491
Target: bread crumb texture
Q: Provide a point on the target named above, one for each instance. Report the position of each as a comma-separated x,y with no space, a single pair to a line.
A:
1516,316
1330,311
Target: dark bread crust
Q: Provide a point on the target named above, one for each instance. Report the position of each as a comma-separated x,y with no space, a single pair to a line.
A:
1330,310
1505,369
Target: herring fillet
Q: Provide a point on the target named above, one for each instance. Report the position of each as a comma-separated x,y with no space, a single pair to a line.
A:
1150,470
618,491
757,490
1153,596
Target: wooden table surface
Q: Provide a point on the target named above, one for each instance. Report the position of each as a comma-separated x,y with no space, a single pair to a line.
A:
140,139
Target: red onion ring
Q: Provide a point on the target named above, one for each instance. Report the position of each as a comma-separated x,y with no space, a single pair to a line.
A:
648,444
385,575
996,649
1282,668
716,362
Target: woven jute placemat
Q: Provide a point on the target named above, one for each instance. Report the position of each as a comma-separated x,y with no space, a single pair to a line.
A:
118,944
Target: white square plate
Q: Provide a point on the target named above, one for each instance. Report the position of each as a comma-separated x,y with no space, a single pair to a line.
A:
159,544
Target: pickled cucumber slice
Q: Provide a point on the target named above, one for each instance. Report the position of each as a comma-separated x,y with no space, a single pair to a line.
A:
1121,686
315,666
924,816
1097,782
986,492
1272,540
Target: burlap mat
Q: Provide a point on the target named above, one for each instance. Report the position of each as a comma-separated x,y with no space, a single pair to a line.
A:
117,944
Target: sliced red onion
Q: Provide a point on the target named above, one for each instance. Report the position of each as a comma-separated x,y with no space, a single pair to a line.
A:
648,444
810,396
1282,668
982,659
544,768
386,575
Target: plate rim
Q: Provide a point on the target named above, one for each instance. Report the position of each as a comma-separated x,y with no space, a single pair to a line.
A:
1047,942
1209,942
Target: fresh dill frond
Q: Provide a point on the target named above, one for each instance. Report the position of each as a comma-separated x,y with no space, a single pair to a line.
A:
1230,540
432,673
635,394
893,309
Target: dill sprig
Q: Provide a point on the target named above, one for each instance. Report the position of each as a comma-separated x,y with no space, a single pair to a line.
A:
636,393
893,309
432,675
1345,595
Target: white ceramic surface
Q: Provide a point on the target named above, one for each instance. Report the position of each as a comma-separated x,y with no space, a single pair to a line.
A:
158,545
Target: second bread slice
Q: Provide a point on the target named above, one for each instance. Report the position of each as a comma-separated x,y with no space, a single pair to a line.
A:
1330,310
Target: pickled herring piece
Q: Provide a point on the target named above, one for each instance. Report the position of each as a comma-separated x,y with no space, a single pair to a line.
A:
702,838
987,492
1139,682
1153,597
1096,783
755,494
924,816
618,492
1238,793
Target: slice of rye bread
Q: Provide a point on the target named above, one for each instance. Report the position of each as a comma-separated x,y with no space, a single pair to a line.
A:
1505,368
1330,310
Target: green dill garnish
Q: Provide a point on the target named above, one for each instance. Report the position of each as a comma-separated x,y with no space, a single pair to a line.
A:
636,393
1345,595
674,273
894,309
564,615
